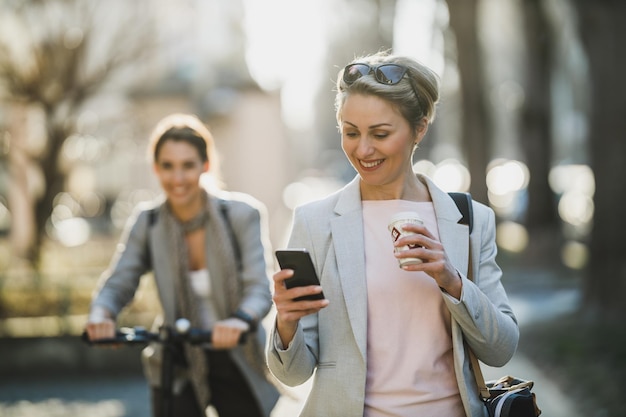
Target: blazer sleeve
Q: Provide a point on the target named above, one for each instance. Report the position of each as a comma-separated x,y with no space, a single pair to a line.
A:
131,260
295,364
483,312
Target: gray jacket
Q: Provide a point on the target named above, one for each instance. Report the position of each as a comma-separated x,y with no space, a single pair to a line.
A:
332,344
145,247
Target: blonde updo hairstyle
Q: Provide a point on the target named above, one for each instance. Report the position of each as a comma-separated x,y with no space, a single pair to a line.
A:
415,96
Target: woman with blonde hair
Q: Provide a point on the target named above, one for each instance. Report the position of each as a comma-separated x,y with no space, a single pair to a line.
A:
390,340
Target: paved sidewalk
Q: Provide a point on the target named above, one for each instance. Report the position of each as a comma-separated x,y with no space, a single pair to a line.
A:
74,396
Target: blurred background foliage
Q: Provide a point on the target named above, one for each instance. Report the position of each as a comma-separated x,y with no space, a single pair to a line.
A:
531,122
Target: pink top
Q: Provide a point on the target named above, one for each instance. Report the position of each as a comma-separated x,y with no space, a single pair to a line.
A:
410,369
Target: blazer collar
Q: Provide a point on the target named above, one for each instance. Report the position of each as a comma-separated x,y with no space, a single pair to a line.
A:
453,236
349,199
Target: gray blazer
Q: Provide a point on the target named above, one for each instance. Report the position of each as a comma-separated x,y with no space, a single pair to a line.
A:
145,248
333,342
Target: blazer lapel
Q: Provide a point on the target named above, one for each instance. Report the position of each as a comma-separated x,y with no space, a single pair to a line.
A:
347,237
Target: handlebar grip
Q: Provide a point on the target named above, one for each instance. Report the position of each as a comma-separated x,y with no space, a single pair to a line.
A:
196,336
137,335
108,341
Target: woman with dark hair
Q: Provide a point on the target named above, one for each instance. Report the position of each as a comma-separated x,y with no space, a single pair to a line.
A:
208,252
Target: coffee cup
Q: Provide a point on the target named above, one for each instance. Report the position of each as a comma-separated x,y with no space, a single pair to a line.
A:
396,223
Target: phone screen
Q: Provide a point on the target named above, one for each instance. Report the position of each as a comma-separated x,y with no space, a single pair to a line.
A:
304,272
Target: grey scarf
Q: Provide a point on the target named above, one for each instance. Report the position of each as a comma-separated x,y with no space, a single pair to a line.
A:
226,282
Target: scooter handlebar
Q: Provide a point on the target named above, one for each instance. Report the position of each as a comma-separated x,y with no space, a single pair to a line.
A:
139,335
124,335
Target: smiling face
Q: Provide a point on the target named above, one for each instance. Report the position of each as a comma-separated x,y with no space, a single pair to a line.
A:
178,166
379,143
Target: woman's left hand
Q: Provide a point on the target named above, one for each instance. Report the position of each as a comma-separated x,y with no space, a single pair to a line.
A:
226,333
435,262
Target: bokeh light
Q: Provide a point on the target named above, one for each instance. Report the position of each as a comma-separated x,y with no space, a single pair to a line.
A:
573,177
308,189
451,175
92,203
507,181
72,232
65,225
425,167
64,206
507,176
82,148
575,255
575,183
512,237
126,202
576,208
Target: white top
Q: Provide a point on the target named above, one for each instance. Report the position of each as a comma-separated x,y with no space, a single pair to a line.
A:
200,281
410,369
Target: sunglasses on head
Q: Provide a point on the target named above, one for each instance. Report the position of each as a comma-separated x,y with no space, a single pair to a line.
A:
388,74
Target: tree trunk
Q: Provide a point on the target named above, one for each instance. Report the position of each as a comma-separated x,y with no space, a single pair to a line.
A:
602,26
537,115
20,199
542,218
54,180
475,123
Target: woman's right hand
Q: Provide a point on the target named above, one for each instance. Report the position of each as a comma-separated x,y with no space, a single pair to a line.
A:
288,311
100,325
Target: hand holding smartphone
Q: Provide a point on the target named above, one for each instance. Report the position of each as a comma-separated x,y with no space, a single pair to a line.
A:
299,260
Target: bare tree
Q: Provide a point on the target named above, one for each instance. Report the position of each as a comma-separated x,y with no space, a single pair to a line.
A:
55,56
602,27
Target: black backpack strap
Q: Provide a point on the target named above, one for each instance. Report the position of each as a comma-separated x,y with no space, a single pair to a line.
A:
153,214
464,203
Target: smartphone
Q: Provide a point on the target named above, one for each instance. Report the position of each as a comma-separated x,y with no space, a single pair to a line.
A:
303,270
